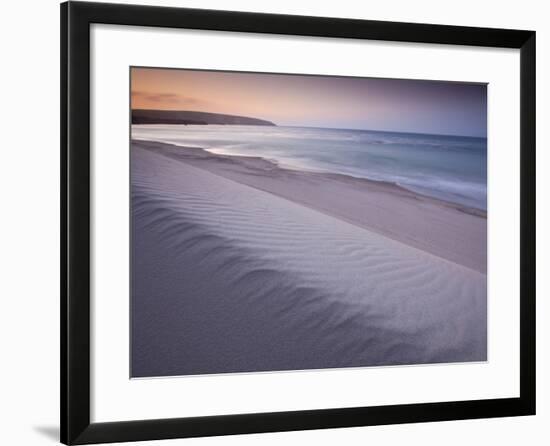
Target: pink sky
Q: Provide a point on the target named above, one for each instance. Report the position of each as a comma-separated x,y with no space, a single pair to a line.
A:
318,101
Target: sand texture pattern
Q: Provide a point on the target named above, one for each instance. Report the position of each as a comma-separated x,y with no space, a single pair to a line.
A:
228,277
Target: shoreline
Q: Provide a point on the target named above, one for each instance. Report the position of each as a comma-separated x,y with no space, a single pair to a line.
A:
448,230
247,159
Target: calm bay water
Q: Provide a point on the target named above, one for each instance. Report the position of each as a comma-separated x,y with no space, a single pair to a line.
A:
452,168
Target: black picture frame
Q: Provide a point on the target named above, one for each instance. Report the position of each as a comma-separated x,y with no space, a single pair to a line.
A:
76,18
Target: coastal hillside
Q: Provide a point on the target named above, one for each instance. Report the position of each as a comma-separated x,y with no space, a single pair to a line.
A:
192,118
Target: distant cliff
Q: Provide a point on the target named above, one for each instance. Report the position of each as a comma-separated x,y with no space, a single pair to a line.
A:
191,118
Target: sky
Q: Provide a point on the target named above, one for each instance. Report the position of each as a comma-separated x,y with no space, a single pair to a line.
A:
398,105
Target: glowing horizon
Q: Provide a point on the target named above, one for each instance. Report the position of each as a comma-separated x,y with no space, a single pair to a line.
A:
398,105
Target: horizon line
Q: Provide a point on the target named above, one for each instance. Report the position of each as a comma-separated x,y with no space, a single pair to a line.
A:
301,126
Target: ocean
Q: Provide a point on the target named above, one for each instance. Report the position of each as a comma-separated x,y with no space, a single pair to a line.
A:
452,168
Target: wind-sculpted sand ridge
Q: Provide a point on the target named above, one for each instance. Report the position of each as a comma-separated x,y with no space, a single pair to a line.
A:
229,278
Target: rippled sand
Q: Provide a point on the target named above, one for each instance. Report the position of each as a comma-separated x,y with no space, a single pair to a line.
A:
230,278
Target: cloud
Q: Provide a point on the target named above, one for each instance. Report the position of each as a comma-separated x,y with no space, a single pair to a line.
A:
166,98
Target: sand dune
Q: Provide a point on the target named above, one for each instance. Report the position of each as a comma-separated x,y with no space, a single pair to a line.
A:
230,278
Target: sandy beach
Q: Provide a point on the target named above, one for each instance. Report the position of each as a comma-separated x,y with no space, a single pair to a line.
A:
447,230
241,265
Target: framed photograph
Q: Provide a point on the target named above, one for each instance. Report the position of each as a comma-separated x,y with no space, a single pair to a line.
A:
275,223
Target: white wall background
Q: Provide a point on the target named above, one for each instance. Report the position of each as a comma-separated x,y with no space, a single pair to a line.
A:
29,189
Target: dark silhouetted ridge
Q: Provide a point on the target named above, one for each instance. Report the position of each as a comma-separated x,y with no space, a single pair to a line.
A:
192,118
